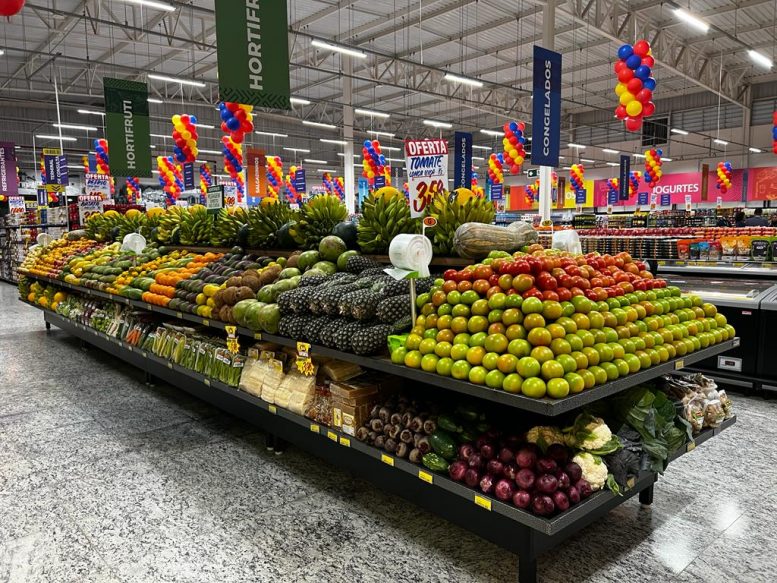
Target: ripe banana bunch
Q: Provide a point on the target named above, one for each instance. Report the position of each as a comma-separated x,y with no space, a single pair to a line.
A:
228,224
453,210
264,222
317,218
168,223
383,218
196,226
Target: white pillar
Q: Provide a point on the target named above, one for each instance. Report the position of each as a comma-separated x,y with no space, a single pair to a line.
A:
348,175
548,37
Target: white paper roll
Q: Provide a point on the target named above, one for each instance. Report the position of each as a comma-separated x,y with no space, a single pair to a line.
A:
412,253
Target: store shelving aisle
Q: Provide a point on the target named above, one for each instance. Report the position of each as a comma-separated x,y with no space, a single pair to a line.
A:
105,479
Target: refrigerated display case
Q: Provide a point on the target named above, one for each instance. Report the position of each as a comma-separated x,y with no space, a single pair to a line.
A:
742,302
767,365
727,269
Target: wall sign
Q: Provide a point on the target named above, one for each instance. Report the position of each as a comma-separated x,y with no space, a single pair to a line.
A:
426,162
98,185
88,206
127,127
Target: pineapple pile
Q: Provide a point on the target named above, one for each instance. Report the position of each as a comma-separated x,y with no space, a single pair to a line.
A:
229,222
453,210
317,219
265,221
385,215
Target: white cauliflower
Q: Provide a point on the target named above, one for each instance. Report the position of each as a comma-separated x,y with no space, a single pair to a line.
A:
594,469
591,434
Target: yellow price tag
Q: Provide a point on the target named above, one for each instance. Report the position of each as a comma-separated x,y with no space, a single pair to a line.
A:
345,442
483,502
207,382
303,349
231,330
314,428
662,262
273,409
387,459
679,364
178,315
170,365
145,354
691,446
129,347
258,336
331,435
426,477
206,322
631,482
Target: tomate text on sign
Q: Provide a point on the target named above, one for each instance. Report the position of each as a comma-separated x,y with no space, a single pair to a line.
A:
427,171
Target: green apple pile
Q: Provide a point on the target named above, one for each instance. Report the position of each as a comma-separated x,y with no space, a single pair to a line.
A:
503,323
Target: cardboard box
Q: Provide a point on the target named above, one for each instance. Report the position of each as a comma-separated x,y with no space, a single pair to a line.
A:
351,403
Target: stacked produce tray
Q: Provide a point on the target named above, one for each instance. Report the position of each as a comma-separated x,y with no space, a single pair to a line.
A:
517,530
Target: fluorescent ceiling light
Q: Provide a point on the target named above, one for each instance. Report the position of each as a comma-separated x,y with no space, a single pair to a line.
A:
679,131
154,100
612,164
377,133
205,125
174,80
610,151
478,158
153,4
475,147
755,150
153,147
476,167
272,134
638,155
437,124
666,159
91,112
561,158
323,170
759,59
567,168
396,160
490,133
67,126
390,148
463,80
338,142
159,136
338,49
354,155
155,172
312,161
577,146
2,52
317,124
63,138
720,142
371,113
299,101
588,161
209,151
297,150
691,20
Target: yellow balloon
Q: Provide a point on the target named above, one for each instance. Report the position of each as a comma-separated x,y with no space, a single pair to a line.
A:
634,108
519,160
293,169
626,98
619,89
370,174
176,119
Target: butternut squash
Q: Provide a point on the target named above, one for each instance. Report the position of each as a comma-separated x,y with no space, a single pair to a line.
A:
476,240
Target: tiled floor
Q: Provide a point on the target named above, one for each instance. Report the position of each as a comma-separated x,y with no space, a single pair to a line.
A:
103,479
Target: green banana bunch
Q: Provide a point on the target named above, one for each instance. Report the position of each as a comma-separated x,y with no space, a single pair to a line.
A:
263,224
317,219
134,224
383,218
196,227
453,210
227,227
168,223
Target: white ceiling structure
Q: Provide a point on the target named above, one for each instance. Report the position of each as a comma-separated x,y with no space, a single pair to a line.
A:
410,45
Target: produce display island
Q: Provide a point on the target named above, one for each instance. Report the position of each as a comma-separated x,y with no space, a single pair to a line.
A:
515,529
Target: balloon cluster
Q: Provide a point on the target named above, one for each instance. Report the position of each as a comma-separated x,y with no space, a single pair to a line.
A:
339,187
514,152
635,85
42,169
634,178
101,152
206,178
327,179
236,120
475,187
185,138
723,182
170,177
274,175
133,189
406,190
774,132
85,162
292,195
576,173
613,187
653,164
533,191
374,162
495,168
233,162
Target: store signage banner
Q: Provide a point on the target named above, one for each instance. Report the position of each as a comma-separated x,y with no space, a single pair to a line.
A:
64,176
92,162
43,197
642,198
88,205
462,174
612,198
300,181
666,200
9,185
426,162
379,182
98,185
497,192
231,197
762,183
580,197
51,164
214,198
705,180
188,176
16,205
253,52
676,186
127,127
256,173
623,178
546,111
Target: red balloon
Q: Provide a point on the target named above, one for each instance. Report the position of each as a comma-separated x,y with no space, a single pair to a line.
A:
513,139
10,7
644,96
620,112
185,119
375,144
224,127
521,126
634,86
237,138
506,127
233,107
240,114
515,169
641,48
625,75
620,64
648,61
633,123
648,108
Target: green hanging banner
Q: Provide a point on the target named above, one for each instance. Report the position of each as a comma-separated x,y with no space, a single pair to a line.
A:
127,127
253,52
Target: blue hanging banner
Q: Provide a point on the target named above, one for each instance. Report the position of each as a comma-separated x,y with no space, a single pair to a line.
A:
623,178
612,197
642,198
380,182
497,192
92,161
51,164
462,176
300,183
580,196
64,178
188,176
546,108
43,197
666,200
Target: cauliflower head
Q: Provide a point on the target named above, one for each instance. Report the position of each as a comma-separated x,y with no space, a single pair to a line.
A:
594,469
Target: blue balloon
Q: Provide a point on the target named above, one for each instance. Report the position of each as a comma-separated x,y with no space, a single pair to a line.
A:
222,105
513,126
649,83
233,124
382,160
633,62
774,133
625,51
193,119
647,178
660,152
225,115
642,72
728,165
367,144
